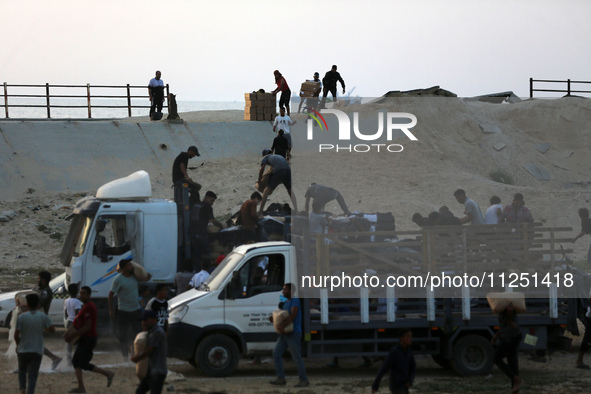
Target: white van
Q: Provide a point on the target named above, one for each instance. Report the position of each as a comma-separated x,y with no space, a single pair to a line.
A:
228,315
56,310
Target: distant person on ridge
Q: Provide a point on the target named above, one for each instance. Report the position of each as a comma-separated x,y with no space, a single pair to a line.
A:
284,89
330,84
180,176
156,93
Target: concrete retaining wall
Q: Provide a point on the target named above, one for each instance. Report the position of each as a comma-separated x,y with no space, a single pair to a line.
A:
70,156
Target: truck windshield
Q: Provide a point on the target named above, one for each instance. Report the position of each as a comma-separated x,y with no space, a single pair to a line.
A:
77,237
222,271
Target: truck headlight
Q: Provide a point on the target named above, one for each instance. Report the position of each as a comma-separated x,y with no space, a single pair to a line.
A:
177,314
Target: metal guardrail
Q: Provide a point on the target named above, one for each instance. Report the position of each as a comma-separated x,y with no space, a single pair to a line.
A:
48,96
568,83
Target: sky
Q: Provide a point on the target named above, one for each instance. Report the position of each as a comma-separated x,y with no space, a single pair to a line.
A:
218,50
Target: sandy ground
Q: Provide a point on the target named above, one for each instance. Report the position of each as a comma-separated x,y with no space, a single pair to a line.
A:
452,152
557,375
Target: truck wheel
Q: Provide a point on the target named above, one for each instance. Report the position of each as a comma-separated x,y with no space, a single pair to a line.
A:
472,355
217,355
442,361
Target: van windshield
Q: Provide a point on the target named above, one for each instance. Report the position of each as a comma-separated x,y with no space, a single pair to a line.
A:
222,271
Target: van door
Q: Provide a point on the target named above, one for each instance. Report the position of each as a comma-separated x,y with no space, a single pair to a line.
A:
253,294
109,246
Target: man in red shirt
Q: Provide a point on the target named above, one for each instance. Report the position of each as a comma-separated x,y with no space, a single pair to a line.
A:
85,324
284,89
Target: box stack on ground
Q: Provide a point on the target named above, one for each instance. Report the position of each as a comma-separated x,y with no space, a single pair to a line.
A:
260,106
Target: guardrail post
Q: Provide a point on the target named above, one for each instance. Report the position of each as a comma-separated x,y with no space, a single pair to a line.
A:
568,87
167,95
391,304
531,88
5,100
128,101
88,100
47,98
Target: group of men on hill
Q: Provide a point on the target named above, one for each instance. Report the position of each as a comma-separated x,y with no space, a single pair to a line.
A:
516,212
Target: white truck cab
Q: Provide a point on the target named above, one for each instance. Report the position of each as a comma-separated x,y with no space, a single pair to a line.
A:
228,315
121,221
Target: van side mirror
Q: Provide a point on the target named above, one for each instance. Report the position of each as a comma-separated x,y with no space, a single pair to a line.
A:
233,285
230,291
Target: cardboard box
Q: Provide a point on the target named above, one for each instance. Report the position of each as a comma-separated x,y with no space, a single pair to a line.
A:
261,96
250,103
250,110
310,86
271,97
250,96
269,111
260,116
498,301
270,104
250,116
260,110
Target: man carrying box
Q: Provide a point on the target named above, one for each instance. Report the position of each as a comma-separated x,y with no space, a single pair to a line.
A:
310,91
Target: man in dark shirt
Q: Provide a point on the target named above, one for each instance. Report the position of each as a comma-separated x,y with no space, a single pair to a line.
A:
322,195
159,305
85,324
447,217
45,297
201,216
291,340
156,351
329,84
281,174
517,212
401,364
248,219
280,144
507,340
180,176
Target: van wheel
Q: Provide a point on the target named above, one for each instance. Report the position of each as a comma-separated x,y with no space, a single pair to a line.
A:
217,355
472,355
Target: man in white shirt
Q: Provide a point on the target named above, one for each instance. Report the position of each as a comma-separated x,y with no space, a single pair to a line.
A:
284,122
494,213
71,308
156,93
471,209
200,276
